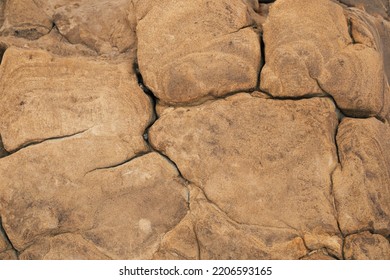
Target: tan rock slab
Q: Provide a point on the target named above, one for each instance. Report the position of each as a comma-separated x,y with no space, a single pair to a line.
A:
122,212
184,58
366,246
314,54
208,233
62,118
361,183
47,96
130,213
262,162
355,76
148,200
310,32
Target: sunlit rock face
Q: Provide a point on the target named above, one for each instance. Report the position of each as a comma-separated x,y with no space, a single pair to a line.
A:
211,129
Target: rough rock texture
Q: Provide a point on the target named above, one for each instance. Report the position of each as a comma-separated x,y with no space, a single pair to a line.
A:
24,19
103,26
363,246
316,53
142,129
375,7
361,182
213,55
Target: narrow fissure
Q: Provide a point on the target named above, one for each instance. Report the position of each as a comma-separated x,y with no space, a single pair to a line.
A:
262,62
33,143
266,1
120,163
154,118
3,48
153,100
340,116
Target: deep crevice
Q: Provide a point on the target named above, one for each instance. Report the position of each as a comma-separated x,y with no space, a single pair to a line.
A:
7,239
141,83
262,60
296,98
266,1
3,48
3,151
153,99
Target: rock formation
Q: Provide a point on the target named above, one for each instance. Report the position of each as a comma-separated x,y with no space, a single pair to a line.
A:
141,129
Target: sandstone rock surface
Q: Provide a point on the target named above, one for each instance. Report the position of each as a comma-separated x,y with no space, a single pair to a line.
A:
24,19
375,7
244,152
200,57
362,181
141,129
365,246
317,54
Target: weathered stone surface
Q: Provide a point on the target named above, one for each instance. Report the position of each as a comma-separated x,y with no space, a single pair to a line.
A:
68,187
149,200
365,246
2,8
101,25
241,152
184,59
77,123
361,90
308,36
142,129
315,55
129,213
23,18
362,181
196,236
45,96
383,35
375,7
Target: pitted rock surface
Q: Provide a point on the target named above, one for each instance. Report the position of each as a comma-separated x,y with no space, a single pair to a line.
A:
245,129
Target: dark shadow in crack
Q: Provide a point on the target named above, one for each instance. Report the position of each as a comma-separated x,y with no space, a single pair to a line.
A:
3,151
3,48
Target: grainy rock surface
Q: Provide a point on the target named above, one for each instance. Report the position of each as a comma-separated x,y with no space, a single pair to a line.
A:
211,129
363,246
